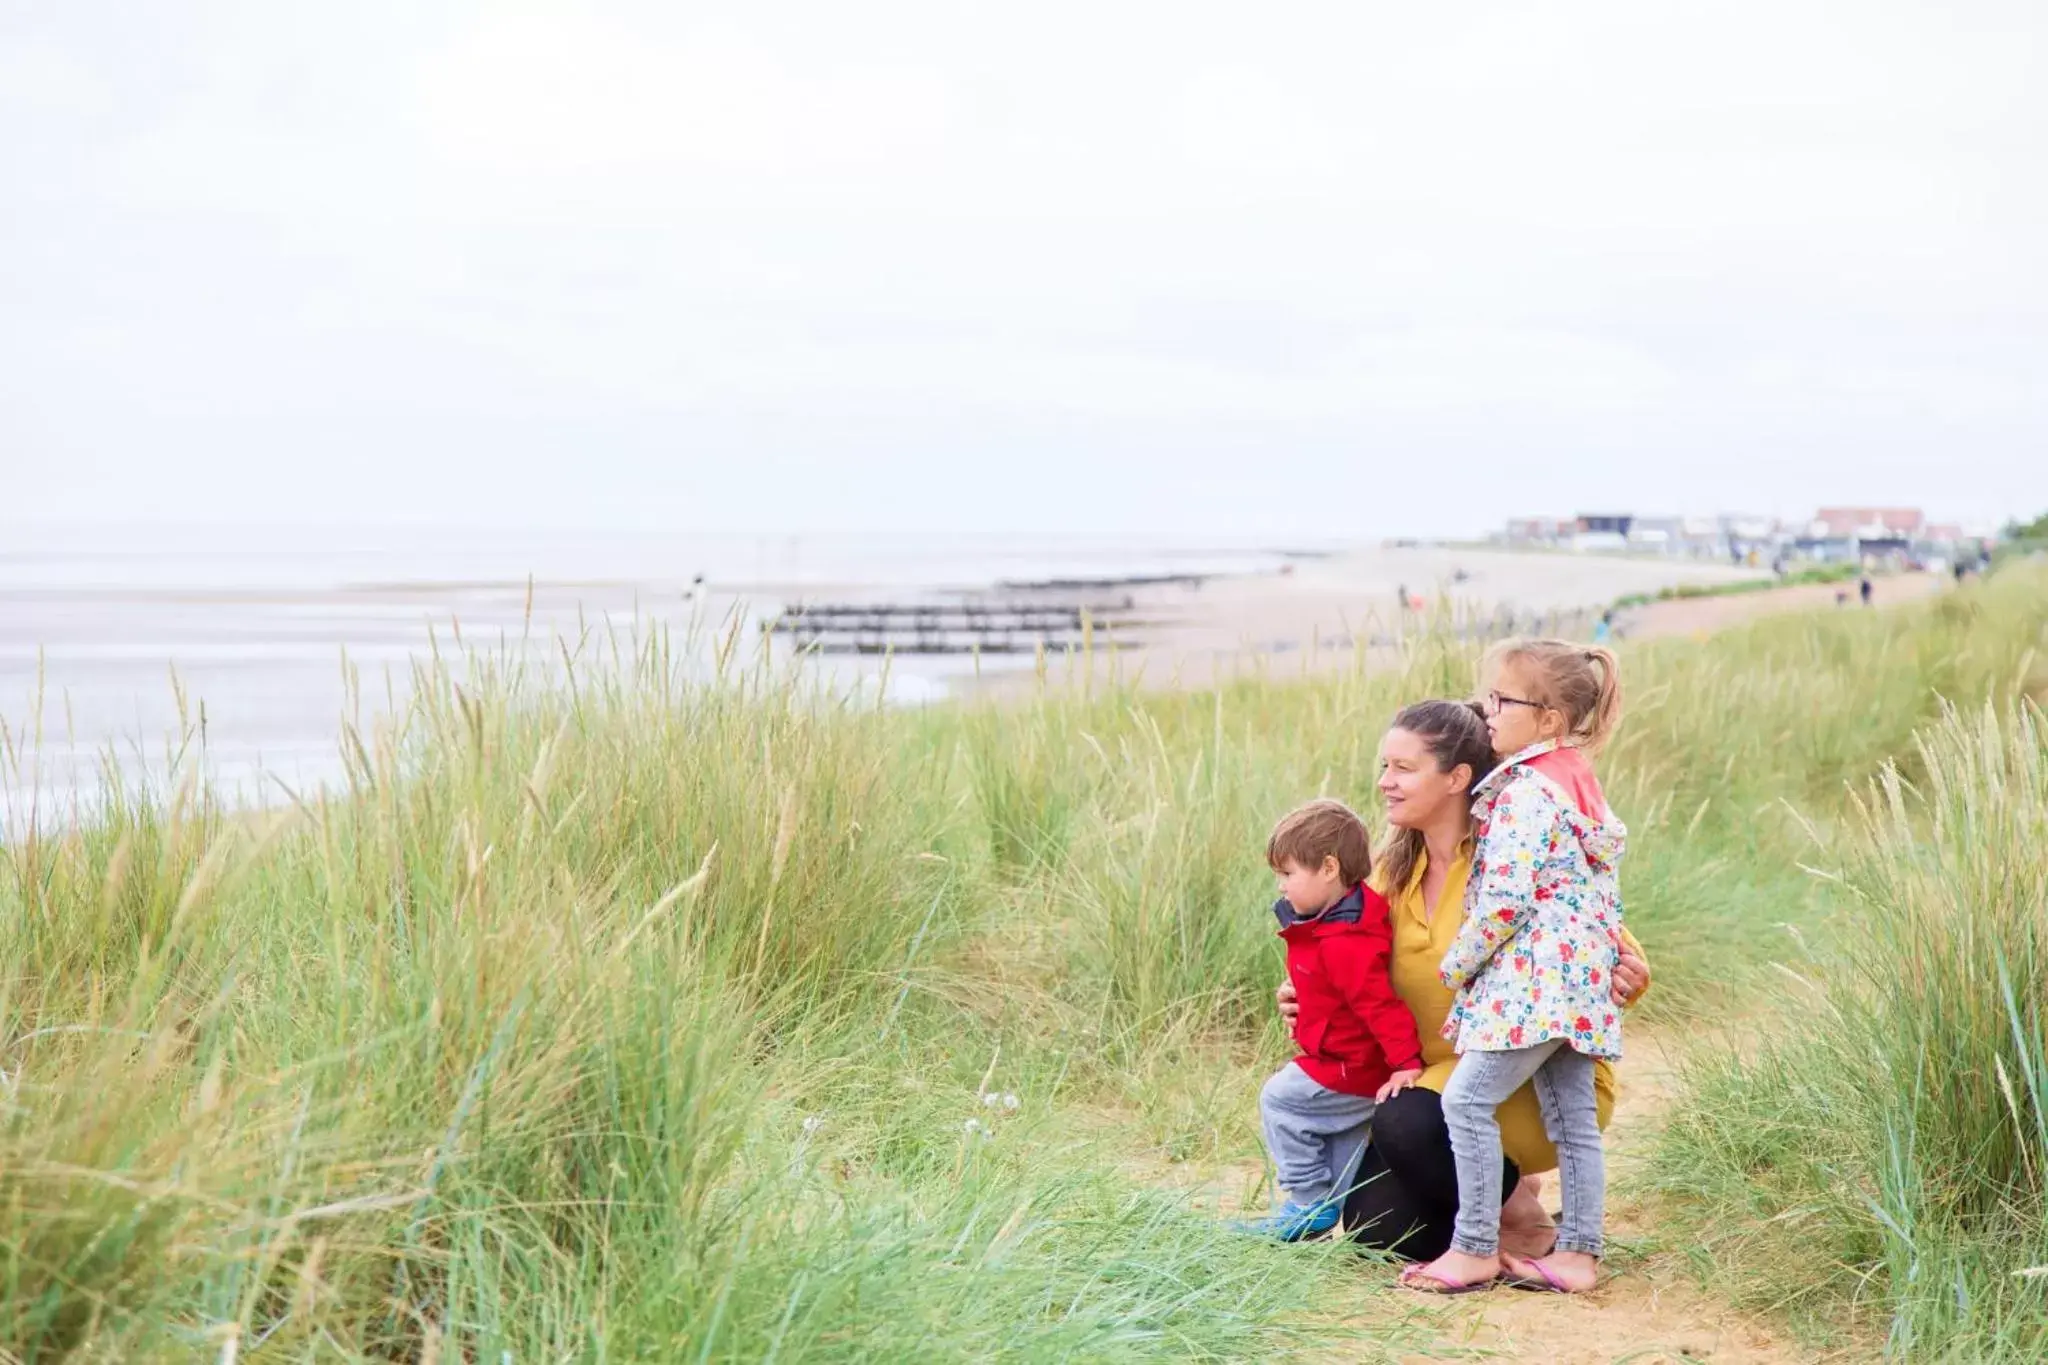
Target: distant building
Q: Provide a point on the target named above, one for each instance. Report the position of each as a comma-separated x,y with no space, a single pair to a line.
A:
1703,537
1849,533
1602,531
1749,529
1540,531
1869,523
1752,537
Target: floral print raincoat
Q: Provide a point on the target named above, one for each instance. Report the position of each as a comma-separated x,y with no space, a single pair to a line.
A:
1534,957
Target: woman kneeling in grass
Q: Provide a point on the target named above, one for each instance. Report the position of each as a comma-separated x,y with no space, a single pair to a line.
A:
1405,1195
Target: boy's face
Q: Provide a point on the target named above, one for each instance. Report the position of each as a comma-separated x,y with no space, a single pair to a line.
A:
1311,890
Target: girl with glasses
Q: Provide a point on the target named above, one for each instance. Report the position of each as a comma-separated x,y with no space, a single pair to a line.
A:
1533,963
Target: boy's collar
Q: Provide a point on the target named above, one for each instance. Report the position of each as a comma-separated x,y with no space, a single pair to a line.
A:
1346,909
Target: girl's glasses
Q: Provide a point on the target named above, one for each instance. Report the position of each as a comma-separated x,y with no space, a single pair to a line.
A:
1496,700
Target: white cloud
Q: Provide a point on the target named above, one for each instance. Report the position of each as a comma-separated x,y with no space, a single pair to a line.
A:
572,95
1646,249
39,78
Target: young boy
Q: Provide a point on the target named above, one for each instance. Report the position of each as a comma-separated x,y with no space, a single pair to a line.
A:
1358,1041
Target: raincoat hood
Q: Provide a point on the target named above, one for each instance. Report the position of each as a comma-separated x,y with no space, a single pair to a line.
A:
1570,776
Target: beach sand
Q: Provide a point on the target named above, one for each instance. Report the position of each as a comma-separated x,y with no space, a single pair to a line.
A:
1317,614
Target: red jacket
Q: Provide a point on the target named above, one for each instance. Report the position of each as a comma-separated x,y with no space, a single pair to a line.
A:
1353,1030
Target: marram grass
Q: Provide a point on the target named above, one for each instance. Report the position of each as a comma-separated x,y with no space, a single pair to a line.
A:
609,1015
1883,1146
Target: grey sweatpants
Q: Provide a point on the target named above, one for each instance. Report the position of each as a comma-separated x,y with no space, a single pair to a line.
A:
1564,1091
1315,1135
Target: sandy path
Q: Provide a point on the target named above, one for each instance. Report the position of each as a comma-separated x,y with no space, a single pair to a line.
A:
1701,615
1650,1309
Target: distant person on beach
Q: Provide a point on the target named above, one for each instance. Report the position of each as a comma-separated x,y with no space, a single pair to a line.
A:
1603,629
1358,1042
1404,1194
1866,589
1401,595
1534,961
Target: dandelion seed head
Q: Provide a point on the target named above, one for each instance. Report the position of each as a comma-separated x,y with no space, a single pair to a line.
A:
1010,1101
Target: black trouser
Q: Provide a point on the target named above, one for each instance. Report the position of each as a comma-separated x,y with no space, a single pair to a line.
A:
1408,1197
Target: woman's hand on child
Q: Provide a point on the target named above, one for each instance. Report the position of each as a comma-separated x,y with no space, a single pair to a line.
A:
1289,1003
1631,974
1396,1083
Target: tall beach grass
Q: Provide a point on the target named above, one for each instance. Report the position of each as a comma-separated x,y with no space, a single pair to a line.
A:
619,1016
1883,1146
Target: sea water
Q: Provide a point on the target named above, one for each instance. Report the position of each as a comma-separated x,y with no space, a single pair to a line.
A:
118,642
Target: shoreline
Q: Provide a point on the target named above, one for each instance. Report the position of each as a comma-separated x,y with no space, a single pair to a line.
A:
268,666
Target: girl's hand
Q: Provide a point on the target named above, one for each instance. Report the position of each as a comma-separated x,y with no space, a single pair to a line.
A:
1631,975
1396,1083
1290,1006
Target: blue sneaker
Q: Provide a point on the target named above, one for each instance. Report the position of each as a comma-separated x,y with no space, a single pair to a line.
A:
1292,1222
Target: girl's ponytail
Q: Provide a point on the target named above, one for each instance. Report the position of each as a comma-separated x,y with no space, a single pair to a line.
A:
1600,722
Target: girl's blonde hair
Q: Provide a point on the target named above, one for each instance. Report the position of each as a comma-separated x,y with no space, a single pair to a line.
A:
1580,682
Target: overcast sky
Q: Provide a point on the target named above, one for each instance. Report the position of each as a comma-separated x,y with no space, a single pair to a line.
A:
1329,267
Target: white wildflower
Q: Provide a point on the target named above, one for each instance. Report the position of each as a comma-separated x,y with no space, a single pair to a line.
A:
991,1100
972,1126
813,1123
1010,1101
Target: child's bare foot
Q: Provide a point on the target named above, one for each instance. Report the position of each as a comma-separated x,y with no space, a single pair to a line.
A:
1561,1272
1454,1272
1526,1227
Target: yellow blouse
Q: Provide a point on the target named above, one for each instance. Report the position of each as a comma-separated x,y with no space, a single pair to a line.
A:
1420,943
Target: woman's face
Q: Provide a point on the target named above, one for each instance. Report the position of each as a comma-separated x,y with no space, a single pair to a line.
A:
1415,788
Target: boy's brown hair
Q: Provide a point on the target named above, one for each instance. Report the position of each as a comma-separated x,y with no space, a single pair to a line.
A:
1322,829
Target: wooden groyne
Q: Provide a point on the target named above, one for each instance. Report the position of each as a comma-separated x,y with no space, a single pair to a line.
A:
978,625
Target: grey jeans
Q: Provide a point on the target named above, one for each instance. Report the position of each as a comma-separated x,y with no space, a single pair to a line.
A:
1316,1135
1564,1091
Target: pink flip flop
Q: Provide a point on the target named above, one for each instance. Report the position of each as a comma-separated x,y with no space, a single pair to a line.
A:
1549,1284
1413,1275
